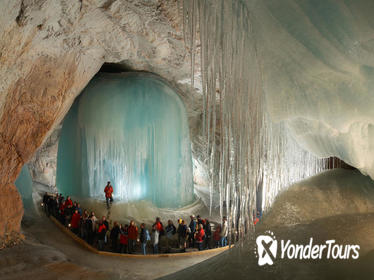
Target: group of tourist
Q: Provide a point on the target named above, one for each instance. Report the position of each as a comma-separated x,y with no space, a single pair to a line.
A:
122,238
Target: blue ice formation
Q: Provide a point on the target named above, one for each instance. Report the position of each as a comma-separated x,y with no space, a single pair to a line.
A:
130,129
24,186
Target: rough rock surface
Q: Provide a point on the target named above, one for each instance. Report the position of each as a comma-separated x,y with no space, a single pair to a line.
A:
50,50
43,164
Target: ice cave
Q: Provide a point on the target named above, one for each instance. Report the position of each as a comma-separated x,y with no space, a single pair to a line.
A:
131,130
237,136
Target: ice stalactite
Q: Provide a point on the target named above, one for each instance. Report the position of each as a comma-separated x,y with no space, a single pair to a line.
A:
132,130
247,153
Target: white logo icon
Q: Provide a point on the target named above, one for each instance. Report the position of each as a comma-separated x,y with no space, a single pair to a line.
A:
266,248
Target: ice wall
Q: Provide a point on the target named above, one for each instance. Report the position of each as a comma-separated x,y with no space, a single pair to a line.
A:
317,59
24,187
132,130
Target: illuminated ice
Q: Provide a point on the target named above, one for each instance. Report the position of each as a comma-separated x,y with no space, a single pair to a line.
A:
132,130
24,187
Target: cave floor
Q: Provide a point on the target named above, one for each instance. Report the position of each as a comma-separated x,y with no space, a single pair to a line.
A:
48,253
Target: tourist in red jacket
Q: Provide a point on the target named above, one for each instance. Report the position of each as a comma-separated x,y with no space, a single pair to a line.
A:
133,236
61,210
123,239
217,236
199,236
68,202
75,220
101,233
159,226
108,194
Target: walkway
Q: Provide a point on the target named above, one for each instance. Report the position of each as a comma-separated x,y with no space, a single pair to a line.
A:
64,257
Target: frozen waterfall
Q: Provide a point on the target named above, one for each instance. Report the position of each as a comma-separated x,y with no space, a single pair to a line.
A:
132,130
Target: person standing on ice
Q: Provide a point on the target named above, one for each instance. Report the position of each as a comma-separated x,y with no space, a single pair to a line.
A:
108,194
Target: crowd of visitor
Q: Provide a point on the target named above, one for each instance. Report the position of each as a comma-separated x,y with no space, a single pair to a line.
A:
126,238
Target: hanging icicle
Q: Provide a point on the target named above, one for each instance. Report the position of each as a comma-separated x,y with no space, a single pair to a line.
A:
246,151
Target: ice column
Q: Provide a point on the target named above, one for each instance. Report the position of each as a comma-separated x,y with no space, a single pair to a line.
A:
132,130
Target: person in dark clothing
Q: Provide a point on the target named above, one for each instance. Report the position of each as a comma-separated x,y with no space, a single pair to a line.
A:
79,209
45,203
170,230
208,234
83,227
192,227
199,220
182,234
48,206
114,233
144,237
60,199
89,230
52,206
74,206
68,213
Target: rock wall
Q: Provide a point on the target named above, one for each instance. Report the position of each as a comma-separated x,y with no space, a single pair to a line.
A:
50,50
44,162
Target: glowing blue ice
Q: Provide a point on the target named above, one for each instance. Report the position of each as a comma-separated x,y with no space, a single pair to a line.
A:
24,187
132,130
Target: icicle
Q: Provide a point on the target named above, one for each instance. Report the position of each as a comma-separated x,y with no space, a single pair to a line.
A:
245,150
